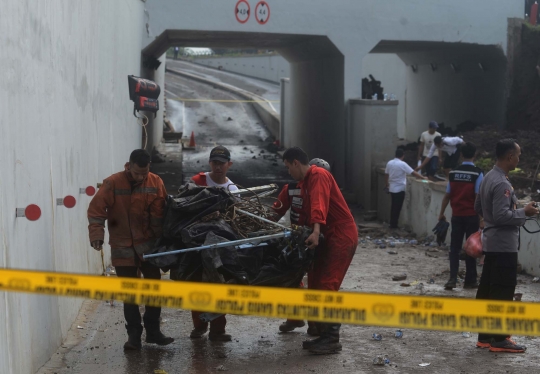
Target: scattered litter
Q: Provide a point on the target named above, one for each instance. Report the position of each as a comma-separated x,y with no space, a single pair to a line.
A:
229,119
80,327
405,284
377,337
431,281
221,368
400,277
160,371
424,364
398,334
414,283
536,280
381,360
413,242
466,334
382,247
420,287
392,253
518,296
431,249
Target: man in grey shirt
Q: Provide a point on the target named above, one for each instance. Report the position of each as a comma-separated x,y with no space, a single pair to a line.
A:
497,204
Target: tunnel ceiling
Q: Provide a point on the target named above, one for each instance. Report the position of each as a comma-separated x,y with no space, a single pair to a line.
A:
415,52
293,47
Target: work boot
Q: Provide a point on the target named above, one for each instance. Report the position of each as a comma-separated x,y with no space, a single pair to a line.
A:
157,337
289,325
470,285
313,330
451,284
328,342
219,336
197,333
307,344
134,338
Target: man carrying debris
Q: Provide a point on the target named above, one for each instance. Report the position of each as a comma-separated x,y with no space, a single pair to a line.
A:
497,203
447,148
220,162
426,141
291,198
328,215
396,182
132,201
463,186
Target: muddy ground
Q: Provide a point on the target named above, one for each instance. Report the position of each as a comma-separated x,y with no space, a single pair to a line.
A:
258,347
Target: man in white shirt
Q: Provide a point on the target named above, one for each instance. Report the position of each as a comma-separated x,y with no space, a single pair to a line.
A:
447,148
396,182
426,141
220,162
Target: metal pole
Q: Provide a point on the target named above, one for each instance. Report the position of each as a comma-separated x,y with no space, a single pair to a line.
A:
263,219
232,243
255,189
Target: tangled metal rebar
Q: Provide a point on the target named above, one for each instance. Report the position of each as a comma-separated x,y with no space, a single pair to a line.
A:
246,226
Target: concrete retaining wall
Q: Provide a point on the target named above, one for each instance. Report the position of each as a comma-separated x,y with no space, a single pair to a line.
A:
421,211
372,136
67,124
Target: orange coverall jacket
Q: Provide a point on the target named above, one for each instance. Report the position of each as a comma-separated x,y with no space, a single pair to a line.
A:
134,215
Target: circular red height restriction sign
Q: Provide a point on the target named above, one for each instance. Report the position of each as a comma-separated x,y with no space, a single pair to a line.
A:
262,12
242,11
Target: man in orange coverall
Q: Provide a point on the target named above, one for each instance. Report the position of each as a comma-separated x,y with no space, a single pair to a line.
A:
329,215
220,162
132,201
291,198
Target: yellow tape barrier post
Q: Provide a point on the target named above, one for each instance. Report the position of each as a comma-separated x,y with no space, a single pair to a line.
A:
414,312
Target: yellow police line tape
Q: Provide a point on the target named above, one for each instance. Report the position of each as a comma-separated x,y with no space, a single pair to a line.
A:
414,312
222,101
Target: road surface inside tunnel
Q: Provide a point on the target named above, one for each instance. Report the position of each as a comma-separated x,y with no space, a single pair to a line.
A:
217,117
268,90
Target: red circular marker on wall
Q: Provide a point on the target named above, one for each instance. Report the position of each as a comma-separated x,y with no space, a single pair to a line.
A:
262,12
32,212
69,201
90,190
242,11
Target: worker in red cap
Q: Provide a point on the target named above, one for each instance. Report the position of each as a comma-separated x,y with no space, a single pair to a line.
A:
291,198
328,215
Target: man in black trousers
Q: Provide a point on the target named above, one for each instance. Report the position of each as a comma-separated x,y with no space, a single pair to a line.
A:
497,203
463,186
396,183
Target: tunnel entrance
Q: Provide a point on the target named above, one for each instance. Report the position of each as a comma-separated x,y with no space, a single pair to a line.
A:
316,99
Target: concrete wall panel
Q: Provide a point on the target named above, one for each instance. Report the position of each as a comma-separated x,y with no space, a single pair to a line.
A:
67,124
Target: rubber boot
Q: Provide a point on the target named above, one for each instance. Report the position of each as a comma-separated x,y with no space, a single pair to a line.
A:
155,336
307,344
134,338
329,340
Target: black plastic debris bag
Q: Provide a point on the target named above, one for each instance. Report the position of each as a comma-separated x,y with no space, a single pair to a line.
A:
190,205
197,232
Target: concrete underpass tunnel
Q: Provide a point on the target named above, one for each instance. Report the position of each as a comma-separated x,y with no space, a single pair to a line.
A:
315,103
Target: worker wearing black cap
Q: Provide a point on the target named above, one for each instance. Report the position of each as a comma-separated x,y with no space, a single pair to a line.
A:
220,162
